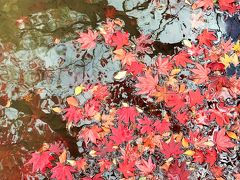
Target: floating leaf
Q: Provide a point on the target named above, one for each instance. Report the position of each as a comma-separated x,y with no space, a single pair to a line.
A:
185,143
78,90
232,135
189,152
57,109
72,101
120,75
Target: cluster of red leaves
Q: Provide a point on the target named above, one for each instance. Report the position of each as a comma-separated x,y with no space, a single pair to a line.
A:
231,6
184,84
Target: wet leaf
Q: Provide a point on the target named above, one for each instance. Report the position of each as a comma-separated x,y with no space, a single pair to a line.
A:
72,101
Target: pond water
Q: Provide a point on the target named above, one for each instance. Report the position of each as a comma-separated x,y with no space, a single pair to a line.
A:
40,64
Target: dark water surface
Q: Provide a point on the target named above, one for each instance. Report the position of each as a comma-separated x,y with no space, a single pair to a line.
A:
36,73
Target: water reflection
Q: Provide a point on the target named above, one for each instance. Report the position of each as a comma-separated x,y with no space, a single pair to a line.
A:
39,62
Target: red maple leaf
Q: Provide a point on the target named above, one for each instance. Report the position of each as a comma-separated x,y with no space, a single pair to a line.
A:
73,114
198,157
127,168
162,127
175,101
195,50
219,117
171,149
182,58
121,134
100,92
87,40
195,97
146,167
40,161
104,164
145,125
62,172
147,84
91,107
120,39
127,114
182,117
143,44
226,46
125,57
135,68
56,148
216,66
128,58
203,3
206,38
178,172
90,134
217,171
80,164
211,156
223,142
164,65
200,73
228,5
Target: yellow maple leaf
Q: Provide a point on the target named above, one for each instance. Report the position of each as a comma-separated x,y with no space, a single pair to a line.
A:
226,60
78,90
236,47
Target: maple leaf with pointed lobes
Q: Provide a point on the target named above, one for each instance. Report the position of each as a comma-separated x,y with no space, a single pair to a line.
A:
223,142
205,4
162,127
182,117
182,58
228,5
175,101
87,40
56,148
195,97
176,172
164,65
171,149
145,125
127,114
90,134
120,39
135,68
195,50
226,46
73,114
147,84
127,168
206,38
129,58
216,66
40,161
104,164
125,57
219,117
146,167
121,134
80,164
200,73
217,171
143,44
160,94
211,156
62,172
198,157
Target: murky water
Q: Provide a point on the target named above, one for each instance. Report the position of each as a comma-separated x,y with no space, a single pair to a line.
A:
40,64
